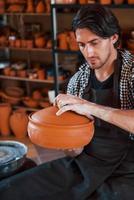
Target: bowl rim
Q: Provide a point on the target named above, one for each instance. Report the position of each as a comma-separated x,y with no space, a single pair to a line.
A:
91,122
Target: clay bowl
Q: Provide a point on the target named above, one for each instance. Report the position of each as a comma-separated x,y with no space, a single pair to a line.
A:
68,130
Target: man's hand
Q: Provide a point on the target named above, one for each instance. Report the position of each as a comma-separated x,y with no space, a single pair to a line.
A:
68,102
74,151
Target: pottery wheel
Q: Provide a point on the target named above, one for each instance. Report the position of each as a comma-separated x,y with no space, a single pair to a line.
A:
7,154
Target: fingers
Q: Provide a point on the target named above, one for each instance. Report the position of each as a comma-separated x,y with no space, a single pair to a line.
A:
63,109
58,101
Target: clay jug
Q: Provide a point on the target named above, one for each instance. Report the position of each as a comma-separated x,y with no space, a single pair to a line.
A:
62,40
48,8
105,1
39,41
18,123
5,110
82,1
130,1
118,1
40,8
30,6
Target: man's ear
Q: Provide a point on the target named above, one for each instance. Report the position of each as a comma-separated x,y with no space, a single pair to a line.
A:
114,38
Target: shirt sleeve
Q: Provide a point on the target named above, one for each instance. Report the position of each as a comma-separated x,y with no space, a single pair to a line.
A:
132,82
73,87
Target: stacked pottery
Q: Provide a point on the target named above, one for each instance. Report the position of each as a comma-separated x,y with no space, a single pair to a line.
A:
5,110
118,1
105,1
30,6
40,7
18,123
130,1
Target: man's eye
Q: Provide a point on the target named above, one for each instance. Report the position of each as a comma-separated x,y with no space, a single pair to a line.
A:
95,42
81,45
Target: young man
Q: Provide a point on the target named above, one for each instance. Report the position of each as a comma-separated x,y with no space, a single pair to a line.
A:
102,89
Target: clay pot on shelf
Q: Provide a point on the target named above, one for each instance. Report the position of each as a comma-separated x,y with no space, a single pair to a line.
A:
105,1
18,43
22,73
130,1
48,9
29,44
39,41
36,95
14,91
2,6
3,41
62,40
82,1
65,1
18,123
118,1
40,7
5,110
6,71
12,72
23,43
30,102
41,74
9,99
49,44
30,6
72,41
68,130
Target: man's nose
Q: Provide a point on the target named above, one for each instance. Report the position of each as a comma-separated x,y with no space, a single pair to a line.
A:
89,50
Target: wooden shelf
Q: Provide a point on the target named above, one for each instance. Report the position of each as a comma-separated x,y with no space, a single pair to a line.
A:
25,14
31,80
27,49
76,6
26,79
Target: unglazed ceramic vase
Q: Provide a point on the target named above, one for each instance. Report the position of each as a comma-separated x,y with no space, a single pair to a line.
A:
40,7
68,130
118,1
30,6
130,1
105,1
5,110
18,123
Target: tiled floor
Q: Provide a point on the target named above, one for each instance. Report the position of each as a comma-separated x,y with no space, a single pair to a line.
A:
36,153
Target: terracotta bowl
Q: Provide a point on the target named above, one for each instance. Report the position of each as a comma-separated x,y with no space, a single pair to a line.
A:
68,130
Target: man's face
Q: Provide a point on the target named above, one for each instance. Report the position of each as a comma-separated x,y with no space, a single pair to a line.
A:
96,50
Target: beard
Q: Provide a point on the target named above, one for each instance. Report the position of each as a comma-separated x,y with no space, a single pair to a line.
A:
97,62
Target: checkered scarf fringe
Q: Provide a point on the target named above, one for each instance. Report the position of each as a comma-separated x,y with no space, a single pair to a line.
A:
79,81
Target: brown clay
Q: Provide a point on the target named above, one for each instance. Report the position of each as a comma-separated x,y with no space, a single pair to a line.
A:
62,38
5,110
18,123
40,41
29,44
68,130
82,1
105,1
41,74
40,8
130,1
30,6
118,1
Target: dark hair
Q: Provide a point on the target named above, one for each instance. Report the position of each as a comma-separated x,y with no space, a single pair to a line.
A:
99,19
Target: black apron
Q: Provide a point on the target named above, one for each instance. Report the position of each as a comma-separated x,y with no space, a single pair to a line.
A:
103,171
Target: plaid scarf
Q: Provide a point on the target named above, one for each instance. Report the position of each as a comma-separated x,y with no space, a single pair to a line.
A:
79,81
